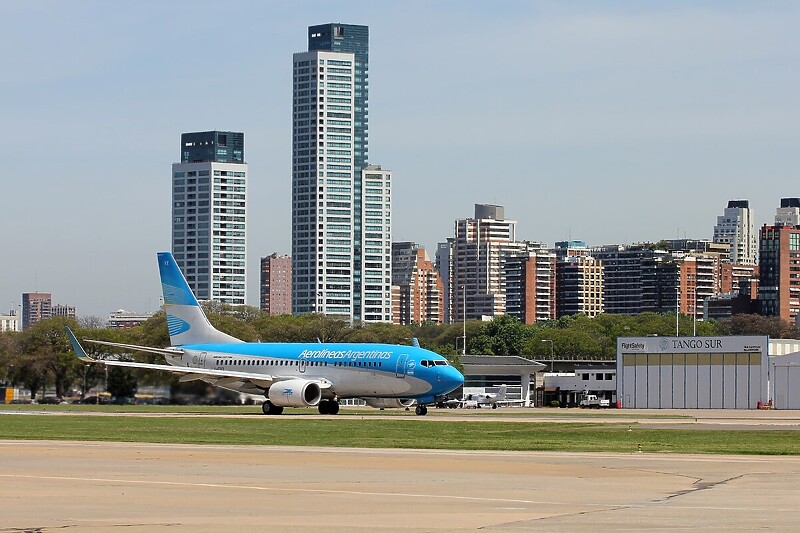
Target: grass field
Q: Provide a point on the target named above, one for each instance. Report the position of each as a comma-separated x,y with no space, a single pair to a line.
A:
389,432
346,411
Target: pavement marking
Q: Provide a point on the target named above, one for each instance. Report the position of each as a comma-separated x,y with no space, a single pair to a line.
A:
273,489
602,506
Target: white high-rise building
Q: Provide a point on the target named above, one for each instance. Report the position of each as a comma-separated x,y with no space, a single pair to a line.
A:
444,265
10,322
376,245
209,215
481,246
341,209
736,227
323,196
788,214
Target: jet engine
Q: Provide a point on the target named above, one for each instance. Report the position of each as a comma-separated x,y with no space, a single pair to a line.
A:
389,403
295,393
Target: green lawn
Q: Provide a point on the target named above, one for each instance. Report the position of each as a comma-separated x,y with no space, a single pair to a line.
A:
396,432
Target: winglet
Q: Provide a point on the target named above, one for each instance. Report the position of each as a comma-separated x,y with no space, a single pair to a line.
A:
79,351
415,342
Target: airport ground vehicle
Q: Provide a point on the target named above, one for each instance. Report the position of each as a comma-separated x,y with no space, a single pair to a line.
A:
592,401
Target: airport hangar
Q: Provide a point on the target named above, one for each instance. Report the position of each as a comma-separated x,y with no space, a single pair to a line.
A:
481,371
734,372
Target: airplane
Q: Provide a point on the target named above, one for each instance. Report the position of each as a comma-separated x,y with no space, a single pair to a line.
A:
286,374
477,400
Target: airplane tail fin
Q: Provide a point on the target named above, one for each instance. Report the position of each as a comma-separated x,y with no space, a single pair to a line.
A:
186,321
501,394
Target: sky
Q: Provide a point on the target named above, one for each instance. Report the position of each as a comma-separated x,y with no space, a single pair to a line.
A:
608,122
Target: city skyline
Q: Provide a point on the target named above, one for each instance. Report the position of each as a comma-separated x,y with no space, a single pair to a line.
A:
609,123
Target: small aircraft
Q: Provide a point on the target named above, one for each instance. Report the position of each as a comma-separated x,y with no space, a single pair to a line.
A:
478,400
287,374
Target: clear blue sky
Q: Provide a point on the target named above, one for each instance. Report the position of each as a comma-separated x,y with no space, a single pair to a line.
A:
609,122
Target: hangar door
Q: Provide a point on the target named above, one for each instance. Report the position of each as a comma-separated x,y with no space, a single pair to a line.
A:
786,380
692,380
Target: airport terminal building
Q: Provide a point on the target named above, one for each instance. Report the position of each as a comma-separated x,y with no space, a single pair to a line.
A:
693,372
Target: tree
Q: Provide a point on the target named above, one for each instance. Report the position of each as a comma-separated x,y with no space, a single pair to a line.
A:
47,351
772,326
121,382
91,322
8,352
380,333
504,335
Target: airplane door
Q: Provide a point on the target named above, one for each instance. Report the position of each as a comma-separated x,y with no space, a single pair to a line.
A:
301,365
400,372
202,361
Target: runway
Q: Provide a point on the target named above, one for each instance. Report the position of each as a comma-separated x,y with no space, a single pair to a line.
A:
50,486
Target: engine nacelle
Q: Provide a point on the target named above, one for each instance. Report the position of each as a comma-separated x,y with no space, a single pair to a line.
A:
295,393
389,403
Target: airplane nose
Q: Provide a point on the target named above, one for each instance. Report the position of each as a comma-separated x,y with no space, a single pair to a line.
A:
451,379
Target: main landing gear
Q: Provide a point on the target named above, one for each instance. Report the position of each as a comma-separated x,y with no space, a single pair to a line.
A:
421,410
328,407
269,408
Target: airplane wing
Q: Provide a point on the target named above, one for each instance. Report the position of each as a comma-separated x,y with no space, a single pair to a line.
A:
510,402
189,373
160,351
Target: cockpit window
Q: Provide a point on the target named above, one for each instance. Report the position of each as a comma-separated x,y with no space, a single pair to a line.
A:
440,362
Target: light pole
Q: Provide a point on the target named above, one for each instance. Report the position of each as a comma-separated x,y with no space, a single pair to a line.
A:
464,314
551,353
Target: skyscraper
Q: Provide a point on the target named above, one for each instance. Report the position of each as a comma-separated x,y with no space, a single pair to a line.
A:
779,286
481,247
736,227
36,306
530,284
579,286
334,214
209,215
420,294
276,284
788,214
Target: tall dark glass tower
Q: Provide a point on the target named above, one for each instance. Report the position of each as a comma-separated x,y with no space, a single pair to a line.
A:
209,214
217,146
355,39
336,37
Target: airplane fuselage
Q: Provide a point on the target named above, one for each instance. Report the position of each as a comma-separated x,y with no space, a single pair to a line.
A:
355,370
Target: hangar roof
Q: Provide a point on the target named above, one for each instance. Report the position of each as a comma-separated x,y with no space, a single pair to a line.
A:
498,365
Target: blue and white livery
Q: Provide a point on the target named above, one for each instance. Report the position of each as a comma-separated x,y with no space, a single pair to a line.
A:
288,374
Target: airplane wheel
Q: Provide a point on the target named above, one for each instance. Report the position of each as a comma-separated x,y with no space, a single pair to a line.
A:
269,408
421,410
494,406
328,407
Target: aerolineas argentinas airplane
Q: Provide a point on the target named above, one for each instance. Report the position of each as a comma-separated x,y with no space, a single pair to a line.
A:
288,374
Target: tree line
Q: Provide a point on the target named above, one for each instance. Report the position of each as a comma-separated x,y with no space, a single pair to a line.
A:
42,355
